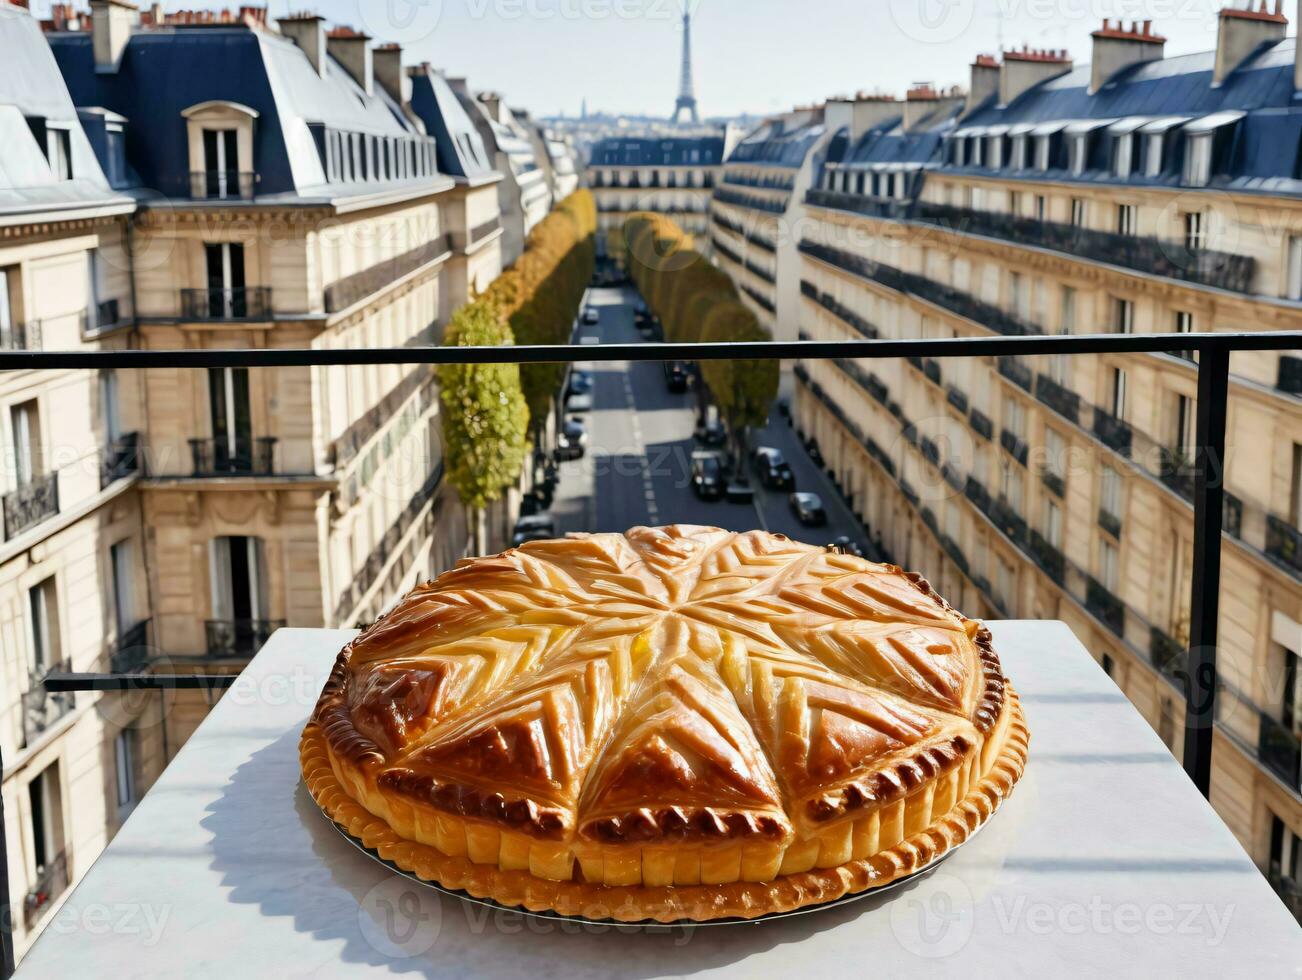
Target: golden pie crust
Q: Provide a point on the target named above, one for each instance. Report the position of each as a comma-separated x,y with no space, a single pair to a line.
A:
671,724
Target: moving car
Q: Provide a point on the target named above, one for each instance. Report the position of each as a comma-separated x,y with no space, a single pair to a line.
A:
847,546
712,433
675,376
591,316
808,508
774,471
573,440
707,476
535,527
579,401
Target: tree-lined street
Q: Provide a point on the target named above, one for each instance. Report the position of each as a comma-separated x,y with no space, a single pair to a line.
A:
637,469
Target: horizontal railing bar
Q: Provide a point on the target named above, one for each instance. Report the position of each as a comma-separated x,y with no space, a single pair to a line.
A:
1109,343
55,683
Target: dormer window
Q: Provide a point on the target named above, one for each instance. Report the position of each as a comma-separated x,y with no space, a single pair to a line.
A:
1019,152
1153,155
1198,160
221,150
115,154
1122,155
58,150
995,154
975,141
1078,148
1043,151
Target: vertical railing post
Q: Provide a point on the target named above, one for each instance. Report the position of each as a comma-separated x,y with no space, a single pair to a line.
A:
6,906
1204,606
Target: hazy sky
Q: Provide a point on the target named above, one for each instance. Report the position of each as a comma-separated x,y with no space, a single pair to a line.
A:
750,55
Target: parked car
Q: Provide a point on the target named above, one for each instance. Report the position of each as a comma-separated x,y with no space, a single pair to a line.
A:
579,401
808,508
707,476
591,316
675,376
847,546
812,448
774,471
534,527
573,440
581,382
712,433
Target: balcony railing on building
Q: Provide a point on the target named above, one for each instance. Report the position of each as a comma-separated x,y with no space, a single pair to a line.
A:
239,457
1172,260
873,207
240,639
20,336
122,459
342,294
43,710
223,185
51,882
33,502
130,653
226,303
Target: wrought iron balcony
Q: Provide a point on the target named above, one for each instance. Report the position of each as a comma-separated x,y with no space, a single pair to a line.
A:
1284,543
30,504
51,882
346,292
1107,607
866,204
1165,652
1061,399
931,369
1015,371
760,299
21,336
956,398
840,310
1177,472
1172,260
751,201
1110,522
121,460
1054,482
239,638
1280,749
41,709
982,425
223,185
216,303
1014,445
246,457
723,249
130,654
1048,557
763,273
1113,432
1009,520
1290,375
1289,891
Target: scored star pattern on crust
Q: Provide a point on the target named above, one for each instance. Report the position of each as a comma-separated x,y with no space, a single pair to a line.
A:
665,683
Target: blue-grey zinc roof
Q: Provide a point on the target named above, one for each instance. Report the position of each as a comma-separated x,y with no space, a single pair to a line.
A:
673,151
166,71
32,89
776,144
461,150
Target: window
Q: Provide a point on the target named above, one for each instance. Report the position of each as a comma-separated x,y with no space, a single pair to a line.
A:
1109,665
238,578
1108,567
1285,851
960,156
231,417
1043,152
1110,491
1067,310
1019,299
221,163
1123,148
1193,230
1078,212
975,142
1182,426
227,298
1166,722
1290,706
1039,207
123,599
24,420
1123,315
1118,393
1078,148
43,603
1295,488
1153,155
1055,453
1183,321
1198,160
1126,219
6,304
115,156
996,153
1053,524
109,410
1014,416
124,753
58,151
1011,487
1005,584
1019,152
47,823
1293,272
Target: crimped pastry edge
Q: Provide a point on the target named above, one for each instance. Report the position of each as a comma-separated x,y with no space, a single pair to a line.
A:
672,903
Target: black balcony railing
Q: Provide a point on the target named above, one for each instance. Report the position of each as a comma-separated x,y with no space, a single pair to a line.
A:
1288,890
1048,557
41,708
1290,375
1062,400
1154,256
736,227
21,336
1280,749
1015,371
51,882
243,457
760,299
840,310
1054,483
982,424
1284,543
30,504
1014,446
346,292
236,303
1165,651
956,398
121,459
1106,606
238,639
1113,432
751,201
130,654
223,185
1009,519
1110,522
873,207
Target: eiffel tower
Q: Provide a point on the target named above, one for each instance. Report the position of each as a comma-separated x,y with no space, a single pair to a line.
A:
686,90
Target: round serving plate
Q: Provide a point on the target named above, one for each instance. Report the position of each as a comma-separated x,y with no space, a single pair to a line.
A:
648,924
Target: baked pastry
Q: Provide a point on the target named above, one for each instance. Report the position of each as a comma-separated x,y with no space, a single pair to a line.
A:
676,723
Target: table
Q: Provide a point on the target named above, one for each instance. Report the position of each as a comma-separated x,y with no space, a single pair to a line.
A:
1105,860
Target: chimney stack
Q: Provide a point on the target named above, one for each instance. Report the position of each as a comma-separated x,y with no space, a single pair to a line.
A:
1117,46
922,100
1029,67
308,32
1241,30
492,102
393,78
985,81
352,49
111,23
